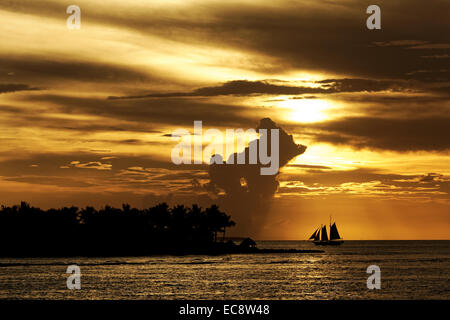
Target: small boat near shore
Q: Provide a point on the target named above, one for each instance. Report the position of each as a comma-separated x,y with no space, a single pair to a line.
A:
320,236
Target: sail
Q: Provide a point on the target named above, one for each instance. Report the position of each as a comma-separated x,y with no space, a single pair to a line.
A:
334,234
314,235
324,234
317,237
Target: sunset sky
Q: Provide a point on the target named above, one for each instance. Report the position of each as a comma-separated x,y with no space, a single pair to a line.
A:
86,115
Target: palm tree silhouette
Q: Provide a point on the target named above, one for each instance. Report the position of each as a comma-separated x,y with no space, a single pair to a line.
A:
109,231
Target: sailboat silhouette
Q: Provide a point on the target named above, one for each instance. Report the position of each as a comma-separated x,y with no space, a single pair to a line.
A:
320,236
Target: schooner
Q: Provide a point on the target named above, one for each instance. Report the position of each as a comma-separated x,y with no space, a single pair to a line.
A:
320,236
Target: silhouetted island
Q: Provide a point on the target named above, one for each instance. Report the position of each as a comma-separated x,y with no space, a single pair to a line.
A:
32,232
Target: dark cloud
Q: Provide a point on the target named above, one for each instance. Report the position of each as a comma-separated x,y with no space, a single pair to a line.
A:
236,87
174,111
431,46
442,90
404,43
10,87
245,88
363,85
41,69
10,109
432,177
331,37
33,119
248,194
53,181
409,134
430,75
437,56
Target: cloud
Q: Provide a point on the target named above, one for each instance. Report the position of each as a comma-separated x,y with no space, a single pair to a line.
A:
97,165
236,87
299,35
433,177
365,182
309,166
407,134
241,188
48,70
363,85
246,88
432,46
10,87
64,182
437,56
127,173
145,114
399,43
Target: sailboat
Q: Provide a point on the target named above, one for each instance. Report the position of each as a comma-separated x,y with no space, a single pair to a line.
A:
320,236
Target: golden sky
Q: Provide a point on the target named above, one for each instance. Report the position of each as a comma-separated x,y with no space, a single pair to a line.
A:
86,115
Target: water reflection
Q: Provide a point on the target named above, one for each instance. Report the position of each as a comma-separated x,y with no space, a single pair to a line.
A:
412,270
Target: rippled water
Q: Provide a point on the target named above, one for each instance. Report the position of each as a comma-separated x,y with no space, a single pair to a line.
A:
409,270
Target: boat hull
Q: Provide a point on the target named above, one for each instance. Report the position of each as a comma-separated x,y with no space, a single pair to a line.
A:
329,243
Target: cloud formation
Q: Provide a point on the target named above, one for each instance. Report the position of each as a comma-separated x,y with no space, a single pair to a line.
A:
7,88
409,134
357,98
246,87
247,193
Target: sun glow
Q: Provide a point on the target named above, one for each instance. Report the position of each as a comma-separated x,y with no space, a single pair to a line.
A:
306,110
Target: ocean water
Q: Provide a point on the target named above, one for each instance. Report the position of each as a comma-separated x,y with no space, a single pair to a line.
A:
409,270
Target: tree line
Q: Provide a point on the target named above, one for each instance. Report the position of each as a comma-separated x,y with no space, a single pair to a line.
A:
68,231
